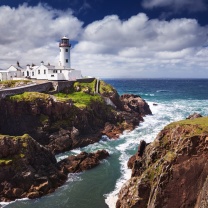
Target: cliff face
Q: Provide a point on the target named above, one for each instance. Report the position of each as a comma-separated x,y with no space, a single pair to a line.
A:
172,171
54,123
61,124
27,169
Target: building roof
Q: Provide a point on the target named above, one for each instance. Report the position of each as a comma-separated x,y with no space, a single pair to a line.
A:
17,67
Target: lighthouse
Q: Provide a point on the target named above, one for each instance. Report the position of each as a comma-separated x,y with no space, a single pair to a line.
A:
65,46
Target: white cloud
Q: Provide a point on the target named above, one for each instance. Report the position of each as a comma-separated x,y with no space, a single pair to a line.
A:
28,34
140,47
177,5
111,47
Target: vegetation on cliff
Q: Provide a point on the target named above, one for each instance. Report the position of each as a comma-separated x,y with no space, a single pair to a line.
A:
83,94
27,169
14,148
173,169
29,97
75,117
14,83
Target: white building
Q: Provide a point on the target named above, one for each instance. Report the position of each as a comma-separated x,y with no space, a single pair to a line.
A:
46,72
13,72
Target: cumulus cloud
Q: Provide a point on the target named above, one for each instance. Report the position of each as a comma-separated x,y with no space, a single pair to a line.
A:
30,33
141,45
111,35
111,47
177,5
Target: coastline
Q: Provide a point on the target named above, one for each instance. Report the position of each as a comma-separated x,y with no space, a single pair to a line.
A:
162,115
129,113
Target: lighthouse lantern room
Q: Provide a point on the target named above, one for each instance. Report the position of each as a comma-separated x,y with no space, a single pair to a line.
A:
65,46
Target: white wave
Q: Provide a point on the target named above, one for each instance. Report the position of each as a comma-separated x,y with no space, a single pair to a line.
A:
74,177
129,141
163,114
4,204
76,151
162,91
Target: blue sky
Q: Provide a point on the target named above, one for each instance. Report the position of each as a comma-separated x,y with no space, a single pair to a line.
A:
111,39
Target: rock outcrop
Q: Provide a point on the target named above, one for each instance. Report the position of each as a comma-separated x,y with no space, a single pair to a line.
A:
83,161
60,125
27,169
172,171
134,103
134,109
194,115
56,123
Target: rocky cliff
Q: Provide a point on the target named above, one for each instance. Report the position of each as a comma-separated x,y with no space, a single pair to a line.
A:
73,118
171,171
50,124
27,169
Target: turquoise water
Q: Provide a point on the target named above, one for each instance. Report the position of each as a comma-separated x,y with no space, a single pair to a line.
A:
99,187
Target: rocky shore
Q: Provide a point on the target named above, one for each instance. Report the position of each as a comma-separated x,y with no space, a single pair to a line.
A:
60,125
28,169
52,124
171,171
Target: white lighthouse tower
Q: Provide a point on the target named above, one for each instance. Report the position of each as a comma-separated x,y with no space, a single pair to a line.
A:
65,46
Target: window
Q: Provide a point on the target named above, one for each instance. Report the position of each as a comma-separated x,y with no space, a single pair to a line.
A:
44,71
66,60
38,71
60,71
32,73
54,71
23,74
52,75
66,50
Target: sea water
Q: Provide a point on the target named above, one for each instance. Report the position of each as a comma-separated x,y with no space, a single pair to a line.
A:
176,99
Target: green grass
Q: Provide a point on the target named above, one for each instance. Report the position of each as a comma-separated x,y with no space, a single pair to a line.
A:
13,83
85,86
29,96
170,156
5,161
196,126
105,88
23,140
80,99
202,121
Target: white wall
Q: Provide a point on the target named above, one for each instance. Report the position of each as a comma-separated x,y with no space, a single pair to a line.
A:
72,74
56,76
65,55
41,72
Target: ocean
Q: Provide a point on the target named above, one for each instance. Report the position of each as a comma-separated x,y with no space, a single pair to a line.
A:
176,99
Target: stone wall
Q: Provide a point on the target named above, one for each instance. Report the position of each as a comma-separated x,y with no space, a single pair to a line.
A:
60,85
44,87
56,86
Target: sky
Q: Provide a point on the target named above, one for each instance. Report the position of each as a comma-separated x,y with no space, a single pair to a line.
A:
110,38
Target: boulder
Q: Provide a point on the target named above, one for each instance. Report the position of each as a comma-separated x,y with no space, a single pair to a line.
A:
83,161
194,115
136,104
